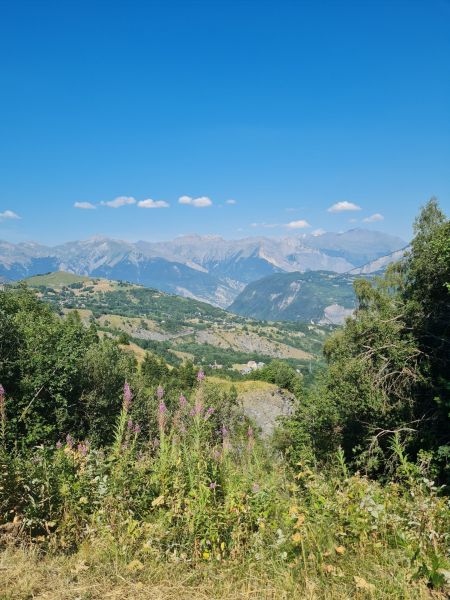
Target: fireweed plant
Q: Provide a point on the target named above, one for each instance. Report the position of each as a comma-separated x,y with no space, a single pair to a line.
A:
205,488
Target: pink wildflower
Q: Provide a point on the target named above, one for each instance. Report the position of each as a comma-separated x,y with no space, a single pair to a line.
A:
83,448
200,375
208,413
127,396
162,414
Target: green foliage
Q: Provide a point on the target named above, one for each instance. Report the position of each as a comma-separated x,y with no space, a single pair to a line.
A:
58,376
388,367
105,368
281,374
206,354
154,370
123,338
41,366
427,304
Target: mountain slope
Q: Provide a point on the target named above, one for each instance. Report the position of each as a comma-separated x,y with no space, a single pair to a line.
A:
319,296
177,328
379,265
357,246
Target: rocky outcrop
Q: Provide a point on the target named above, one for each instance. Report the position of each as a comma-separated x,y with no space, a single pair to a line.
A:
264,407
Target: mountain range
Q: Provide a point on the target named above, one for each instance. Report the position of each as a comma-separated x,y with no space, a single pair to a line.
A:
207,268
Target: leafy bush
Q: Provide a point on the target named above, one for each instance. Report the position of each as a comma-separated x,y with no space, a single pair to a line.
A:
280,373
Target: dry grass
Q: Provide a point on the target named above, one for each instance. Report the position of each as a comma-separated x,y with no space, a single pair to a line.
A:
133,348
25,575
251,385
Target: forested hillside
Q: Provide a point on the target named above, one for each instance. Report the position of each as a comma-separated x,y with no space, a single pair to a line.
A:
317,296
118,471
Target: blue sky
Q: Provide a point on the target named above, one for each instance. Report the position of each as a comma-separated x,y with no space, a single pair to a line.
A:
285,107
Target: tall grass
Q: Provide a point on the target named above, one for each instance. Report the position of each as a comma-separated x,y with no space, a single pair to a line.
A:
206,498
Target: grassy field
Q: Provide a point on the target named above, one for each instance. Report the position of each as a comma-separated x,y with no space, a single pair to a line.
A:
56,280
25,574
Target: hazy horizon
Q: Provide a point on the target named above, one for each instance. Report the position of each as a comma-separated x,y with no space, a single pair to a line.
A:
203,237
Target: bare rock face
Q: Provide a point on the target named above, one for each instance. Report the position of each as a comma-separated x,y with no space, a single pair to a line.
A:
265,406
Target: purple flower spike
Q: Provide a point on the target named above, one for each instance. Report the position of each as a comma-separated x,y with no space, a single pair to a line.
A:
200,375
160,392
182,401
58,445
208,413
162,414
127,396
130,425
197,410
137,429
83,448
212,485
69,441
2,391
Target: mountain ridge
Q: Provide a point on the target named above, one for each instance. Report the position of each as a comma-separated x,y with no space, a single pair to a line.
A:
208,268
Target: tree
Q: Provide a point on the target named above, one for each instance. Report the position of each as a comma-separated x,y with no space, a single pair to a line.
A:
388,367
427,299
105,369
154,370
39,367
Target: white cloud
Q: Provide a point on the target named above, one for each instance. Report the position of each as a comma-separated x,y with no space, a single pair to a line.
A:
301,224
8,214
149,203
343,206
374,218
201,202
120,201
84,205
231,201
318,232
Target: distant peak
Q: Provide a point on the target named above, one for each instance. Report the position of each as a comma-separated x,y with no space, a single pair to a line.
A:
199,238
